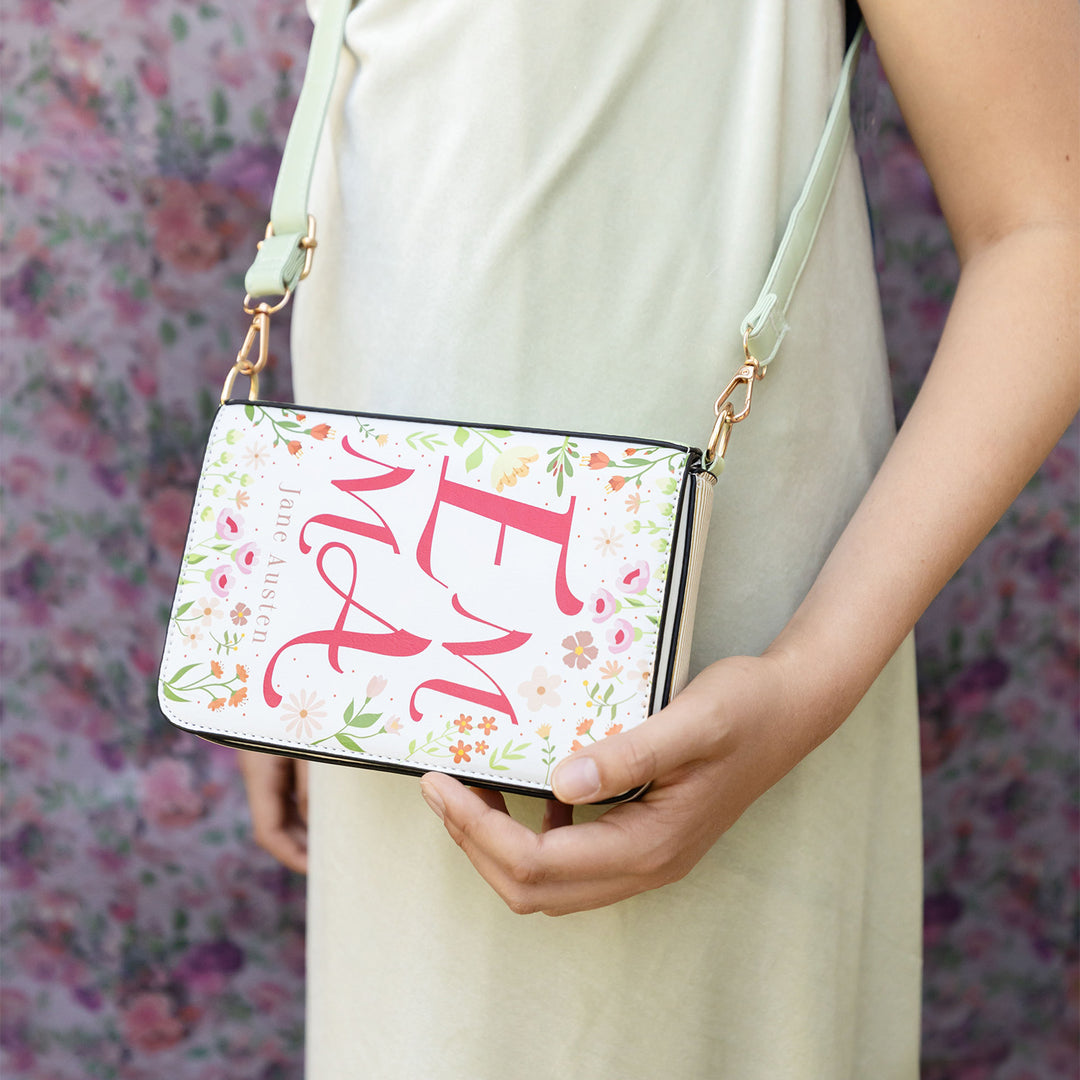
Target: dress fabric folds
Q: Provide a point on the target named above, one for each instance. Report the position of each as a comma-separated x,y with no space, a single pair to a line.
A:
555,214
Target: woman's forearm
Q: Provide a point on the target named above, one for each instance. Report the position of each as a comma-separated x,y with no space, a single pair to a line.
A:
1001,390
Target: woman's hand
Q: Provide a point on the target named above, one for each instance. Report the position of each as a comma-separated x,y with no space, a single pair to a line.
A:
277,795
724,741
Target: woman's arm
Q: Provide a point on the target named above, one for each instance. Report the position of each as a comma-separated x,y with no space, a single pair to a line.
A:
991,93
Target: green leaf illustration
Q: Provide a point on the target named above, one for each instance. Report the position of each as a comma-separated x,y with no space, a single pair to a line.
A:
474,459
461,436
364,720
349,744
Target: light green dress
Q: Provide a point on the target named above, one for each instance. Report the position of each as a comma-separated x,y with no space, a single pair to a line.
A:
555,212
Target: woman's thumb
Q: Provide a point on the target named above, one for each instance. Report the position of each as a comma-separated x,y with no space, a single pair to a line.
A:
613,767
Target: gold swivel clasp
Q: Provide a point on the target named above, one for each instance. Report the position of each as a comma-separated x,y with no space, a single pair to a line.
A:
749,373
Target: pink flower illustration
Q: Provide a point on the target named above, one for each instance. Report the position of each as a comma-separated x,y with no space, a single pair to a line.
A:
222,579
230,525
603,605
582,651
633,577
540,690
246,557
168,510
240,614
376,685
620,636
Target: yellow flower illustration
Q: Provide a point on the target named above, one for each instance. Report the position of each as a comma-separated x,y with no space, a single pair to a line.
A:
511,464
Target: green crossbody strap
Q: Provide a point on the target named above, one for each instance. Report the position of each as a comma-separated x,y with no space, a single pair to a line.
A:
283,257
767,319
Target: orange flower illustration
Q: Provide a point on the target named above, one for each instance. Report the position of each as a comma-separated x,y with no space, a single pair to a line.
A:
611,670
575,746
295,448
461,751
585,726
481,747
613,730
242,499
463,723
217,703
598,459
511,464
238,696
488,725
615,483
217,669
322,431
241,673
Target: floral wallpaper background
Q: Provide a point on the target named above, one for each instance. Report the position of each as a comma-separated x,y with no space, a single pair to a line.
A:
143,935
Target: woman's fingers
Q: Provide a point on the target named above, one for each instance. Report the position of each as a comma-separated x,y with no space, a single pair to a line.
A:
562,869
273,784
707,756
690,729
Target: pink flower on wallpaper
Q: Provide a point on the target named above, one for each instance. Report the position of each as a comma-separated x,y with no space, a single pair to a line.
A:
149,1022
23,475
154,76
167,796
269,997
175,213
167,511
25,750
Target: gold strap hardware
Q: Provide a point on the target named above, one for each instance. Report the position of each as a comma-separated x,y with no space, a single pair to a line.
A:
259,330
308,243
749,373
